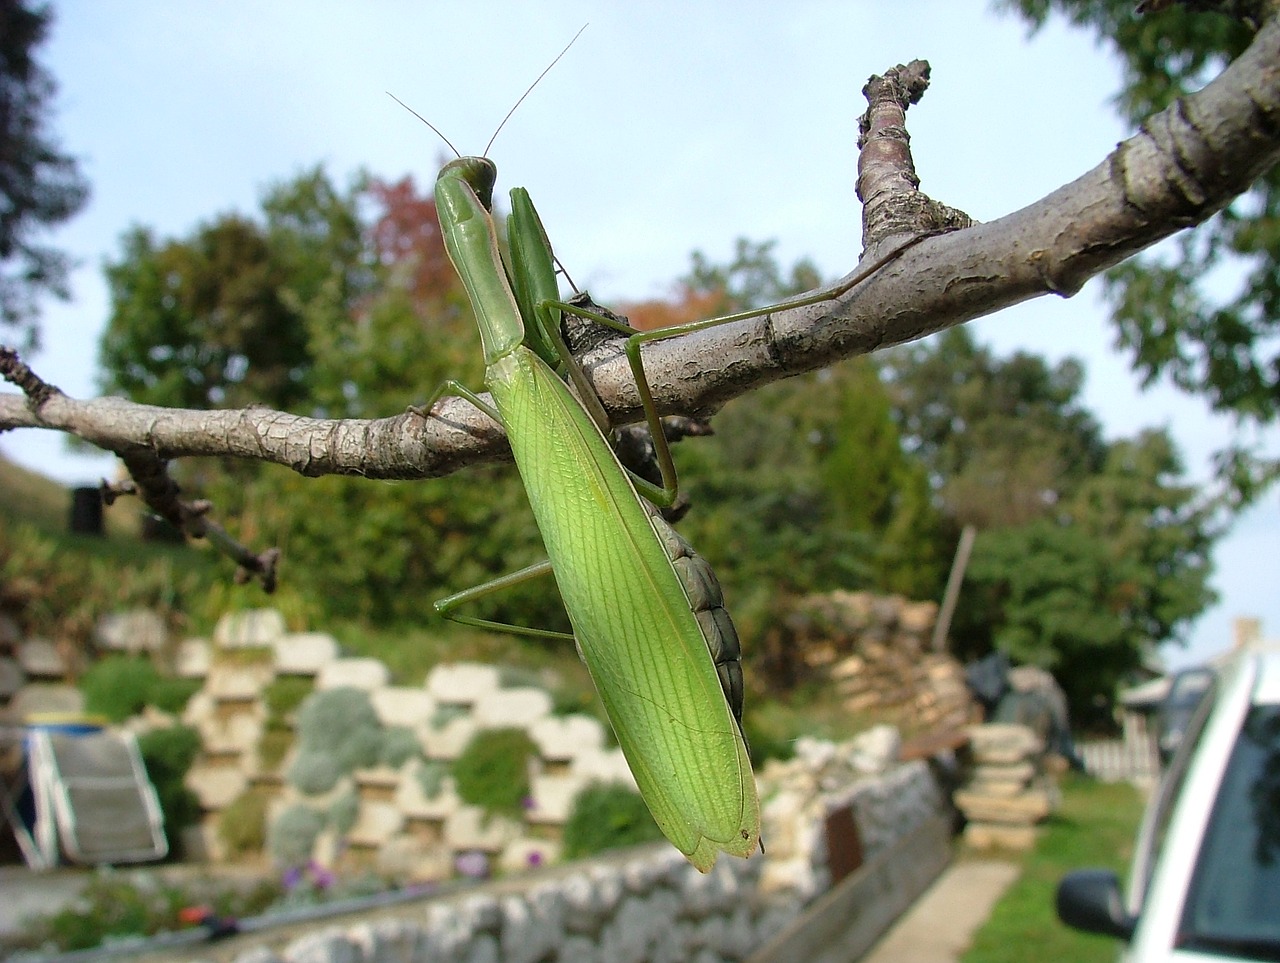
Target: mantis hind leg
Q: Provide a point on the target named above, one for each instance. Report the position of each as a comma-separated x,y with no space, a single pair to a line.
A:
447,605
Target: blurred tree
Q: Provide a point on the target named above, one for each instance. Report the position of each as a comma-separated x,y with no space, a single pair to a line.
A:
1089,590
39,185
1202,309
1090,554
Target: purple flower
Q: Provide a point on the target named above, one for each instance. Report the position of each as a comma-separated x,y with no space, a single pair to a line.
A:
534,858
472,864
291,878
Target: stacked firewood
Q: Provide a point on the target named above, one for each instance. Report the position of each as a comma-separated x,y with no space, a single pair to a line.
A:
875,650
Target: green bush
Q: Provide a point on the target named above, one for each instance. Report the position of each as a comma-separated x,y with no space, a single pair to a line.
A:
344,810
338,731
242,826
292,836
399,745
172,695
607,817
493,771
431,774
118,686
283,696
168,754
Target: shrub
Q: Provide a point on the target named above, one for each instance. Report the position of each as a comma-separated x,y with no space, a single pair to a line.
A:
431,774
292,836
172,695
118,686
242,826
168,754
399,745
344,810
493,771
338,731
282,697
607,817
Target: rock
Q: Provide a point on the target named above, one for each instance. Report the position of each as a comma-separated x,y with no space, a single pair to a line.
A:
1003,742
631,935
403,706
366,674
512,708
192,659
40,659
999,836
532,925
10,634
561,738
462,683
875,750
304,653
135,631
1026,808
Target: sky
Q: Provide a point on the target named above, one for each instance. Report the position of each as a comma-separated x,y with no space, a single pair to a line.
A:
668,127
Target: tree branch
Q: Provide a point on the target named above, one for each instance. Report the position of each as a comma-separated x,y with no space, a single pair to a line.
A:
1185,164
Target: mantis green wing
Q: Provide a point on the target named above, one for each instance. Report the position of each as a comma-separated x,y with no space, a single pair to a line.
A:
649,653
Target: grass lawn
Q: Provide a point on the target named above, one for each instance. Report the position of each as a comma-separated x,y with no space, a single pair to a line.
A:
1096,826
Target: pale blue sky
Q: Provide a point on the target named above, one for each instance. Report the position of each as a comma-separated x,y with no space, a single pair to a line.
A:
669,127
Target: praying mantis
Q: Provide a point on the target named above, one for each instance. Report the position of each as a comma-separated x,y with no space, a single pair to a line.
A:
646,611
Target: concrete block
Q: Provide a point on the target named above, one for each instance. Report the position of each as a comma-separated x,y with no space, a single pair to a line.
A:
602,765
403,706
41,659
251,628
462,683
447,742
366,674
471,828
561,738
553,797
512,708
12,678
304,653
375,824
192,659
40,698
216,786
138,630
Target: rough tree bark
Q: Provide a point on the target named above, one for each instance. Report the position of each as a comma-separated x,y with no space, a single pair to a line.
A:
939,269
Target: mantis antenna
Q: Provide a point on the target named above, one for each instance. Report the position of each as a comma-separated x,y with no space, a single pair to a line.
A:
514,108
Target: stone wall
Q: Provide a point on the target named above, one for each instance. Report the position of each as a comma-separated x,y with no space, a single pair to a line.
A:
644,904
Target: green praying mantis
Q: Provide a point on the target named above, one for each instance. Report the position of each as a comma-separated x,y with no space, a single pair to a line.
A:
646,611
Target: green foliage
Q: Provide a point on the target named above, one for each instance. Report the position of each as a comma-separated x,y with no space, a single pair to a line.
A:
1168,306
118,686
172,695
292,835
344,810
431,774
338,731
607,817
493,770
1096,826
40,186
167,755
242,826
283,697
118,905
1124,562
399,745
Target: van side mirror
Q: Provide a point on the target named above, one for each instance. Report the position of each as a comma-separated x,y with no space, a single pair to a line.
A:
1090,900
